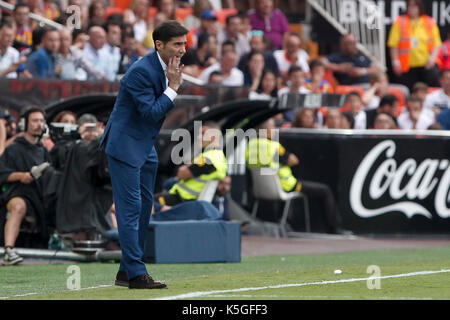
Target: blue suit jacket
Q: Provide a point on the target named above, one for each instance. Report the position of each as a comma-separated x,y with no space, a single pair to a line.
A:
138,113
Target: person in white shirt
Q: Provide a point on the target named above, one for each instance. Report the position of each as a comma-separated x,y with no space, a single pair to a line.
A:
232,32
94,52
113,38
9,57
439,99
415,116
232,76
267,88
292,55
296,79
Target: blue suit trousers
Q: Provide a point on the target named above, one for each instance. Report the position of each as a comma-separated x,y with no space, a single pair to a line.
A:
133,189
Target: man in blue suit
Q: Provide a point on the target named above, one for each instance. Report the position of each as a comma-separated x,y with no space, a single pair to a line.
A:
145,96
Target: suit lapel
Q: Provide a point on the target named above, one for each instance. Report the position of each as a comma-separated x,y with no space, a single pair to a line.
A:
154,61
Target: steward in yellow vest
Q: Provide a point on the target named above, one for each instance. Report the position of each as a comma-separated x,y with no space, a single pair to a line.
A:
264,152
210,164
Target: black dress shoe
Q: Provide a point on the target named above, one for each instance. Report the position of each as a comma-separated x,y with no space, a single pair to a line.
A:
145,282
121,279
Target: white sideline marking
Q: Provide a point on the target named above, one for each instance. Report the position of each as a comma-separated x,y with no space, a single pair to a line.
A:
35,293
311,297
207,293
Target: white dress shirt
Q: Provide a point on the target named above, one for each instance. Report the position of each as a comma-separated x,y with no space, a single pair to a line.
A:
6,60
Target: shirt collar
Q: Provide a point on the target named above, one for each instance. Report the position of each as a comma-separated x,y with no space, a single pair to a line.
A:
163,64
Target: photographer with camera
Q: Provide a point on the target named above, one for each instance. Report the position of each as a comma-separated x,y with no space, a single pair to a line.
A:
21,165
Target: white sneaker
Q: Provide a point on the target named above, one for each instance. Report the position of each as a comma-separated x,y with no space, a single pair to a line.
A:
11,257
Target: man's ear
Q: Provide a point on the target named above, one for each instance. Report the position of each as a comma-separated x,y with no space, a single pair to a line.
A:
159,45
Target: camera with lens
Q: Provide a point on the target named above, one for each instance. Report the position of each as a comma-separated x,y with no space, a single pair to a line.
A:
63,132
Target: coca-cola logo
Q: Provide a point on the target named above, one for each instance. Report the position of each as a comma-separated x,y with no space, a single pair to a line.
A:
409,179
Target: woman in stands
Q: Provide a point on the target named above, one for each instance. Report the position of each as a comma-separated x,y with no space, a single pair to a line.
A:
137,15
415,42
267,89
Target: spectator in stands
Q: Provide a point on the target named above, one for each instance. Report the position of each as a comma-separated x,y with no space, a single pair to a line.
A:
70,59
41,63
193,21
89,127
94,53
10,59
415,116
220,200
80,38
148,44
66,117
49,9
388,104
208,24
232,76
112,48
246,27
316,83
129,54
96,11
168,8
347,120
137,15
350,66
414,43
443,60
443,119
296,78
291,55
267,87
420,89
23,34
232,32
254,70
440,99
272,21
305,118
257,44
379,86
333,119
265,152
23,195
384,121
215,78
204,55
354,102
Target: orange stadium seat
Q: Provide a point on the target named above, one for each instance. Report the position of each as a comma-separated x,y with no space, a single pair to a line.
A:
183,13
112,10
398,93
224,13
344,89
123,4
152,11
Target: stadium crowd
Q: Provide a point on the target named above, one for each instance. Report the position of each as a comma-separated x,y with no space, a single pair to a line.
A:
232,46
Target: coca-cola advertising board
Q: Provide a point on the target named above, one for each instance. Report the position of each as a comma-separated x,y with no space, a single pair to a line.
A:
383,182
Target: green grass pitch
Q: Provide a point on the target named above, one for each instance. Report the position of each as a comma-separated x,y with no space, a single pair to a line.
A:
268,277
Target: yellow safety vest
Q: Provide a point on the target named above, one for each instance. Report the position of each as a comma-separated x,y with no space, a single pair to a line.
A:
261,152
189,189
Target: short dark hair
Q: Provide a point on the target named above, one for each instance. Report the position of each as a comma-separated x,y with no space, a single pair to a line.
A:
294,68
353,93
315,64
168,30
228,19
202,39
413,98
388,99
20,5
112,22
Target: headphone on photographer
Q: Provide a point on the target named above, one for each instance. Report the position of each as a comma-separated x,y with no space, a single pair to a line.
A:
22,125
